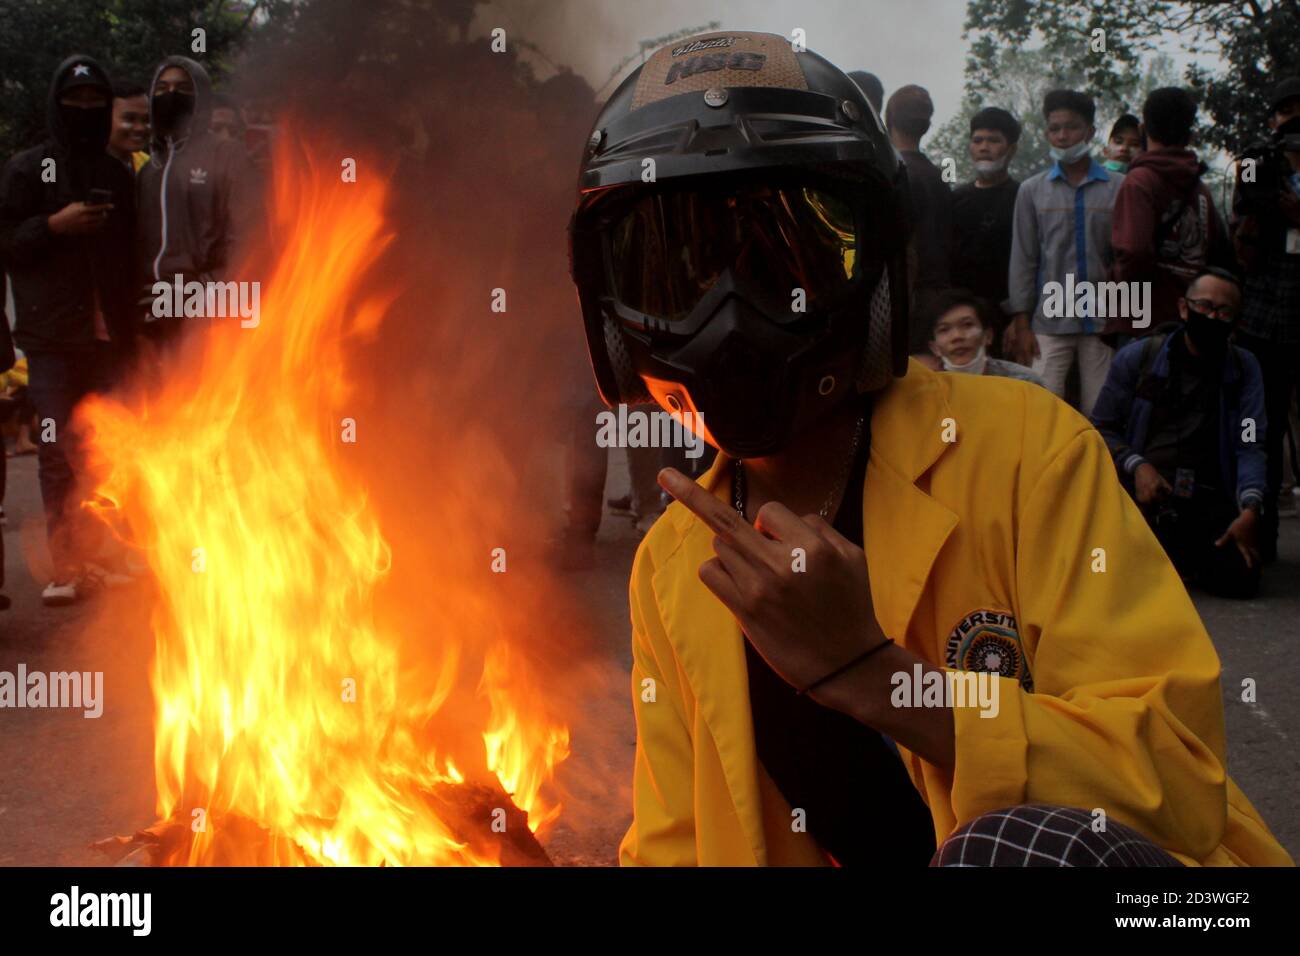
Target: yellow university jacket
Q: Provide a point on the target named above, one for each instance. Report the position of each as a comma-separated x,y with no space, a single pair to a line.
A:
986,548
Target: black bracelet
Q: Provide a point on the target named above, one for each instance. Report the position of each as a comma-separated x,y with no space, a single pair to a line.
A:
840,670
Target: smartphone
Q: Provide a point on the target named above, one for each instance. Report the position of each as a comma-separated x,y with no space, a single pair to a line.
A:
100,197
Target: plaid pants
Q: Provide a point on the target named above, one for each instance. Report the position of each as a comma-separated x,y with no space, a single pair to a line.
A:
1036,835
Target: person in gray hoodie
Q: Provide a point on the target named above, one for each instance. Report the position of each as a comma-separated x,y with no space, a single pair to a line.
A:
196,203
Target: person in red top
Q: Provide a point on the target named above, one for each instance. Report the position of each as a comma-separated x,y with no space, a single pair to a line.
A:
1164,227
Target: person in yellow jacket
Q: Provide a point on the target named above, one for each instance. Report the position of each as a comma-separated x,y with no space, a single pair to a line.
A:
906,618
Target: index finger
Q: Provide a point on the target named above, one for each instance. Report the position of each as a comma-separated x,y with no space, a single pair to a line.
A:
721,519
1246,556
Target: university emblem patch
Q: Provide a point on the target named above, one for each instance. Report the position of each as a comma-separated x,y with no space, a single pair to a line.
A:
986,640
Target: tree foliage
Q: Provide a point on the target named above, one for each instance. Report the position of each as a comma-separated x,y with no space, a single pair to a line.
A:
128,37
1258,42
1020,79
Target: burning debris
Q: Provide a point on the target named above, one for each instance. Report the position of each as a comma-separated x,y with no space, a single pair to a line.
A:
286,715
483,818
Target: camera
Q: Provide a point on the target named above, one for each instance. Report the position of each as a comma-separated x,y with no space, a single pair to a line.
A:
1263,171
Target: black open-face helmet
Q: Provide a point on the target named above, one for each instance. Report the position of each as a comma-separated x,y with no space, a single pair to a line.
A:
739,244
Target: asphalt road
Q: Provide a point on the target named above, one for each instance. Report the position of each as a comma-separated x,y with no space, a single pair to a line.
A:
66,780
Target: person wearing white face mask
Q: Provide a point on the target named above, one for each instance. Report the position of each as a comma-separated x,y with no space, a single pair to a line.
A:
1062,235
983,212
960,336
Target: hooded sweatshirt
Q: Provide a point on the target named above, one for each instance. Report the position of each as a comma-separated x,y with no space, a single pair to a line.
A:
196,202
1164,230
59,281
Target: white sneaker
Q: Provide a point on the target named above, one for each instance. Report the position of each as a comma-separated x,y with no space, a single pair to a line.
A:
59,595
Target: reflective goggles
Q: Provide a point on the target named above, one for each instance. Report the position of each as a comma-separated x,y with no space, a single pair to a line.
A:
796,246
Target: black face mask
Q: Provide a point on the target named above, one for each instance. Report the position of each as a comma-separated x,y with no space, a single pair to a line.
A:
169,111
1209,335
87,126
699,284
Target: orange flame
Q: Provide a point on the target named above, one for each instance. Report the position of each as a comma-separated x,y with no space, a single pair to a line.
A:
282,712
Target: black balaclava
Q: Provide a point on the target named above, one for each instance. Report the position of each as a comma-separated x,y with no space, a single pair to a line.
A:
81,132
79,129
175,117
86,126
171,112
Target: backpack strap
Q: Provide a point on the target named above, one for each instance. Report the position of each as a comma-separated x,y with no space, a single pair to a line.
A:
1239,367
1149,386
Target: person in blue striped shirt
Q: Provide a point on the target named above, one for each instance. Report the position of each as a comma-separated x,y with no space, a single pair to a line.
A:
1061,235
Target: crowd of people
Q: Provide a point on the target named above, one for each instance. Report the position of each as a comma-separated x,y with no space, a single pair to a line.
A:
1193,389
870,525
937,559
134,184
1192,383
1192,380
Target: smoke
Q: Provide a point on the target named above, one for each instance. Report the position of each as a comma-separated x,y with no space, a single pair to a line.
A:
465,394
462,411
589,38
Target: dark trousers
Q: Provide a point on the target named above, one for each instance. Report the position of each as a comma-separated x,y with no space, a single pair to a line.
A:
1187,529
587,464
57,382
1041,835
1280,366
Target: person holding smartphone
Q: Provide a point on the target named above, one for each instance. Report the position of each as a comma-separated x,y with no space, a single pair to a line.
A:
66,231
869,528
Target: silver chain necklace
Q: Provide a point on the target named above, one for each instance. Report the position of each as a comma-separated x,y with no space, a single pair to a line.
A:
738,475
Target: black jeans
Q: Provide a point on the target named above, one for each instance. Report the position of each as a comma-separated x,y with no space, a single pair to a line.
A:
587,464
57,382
1187,529
1280,366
